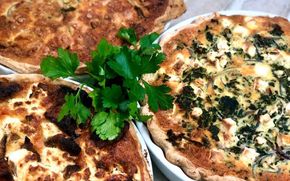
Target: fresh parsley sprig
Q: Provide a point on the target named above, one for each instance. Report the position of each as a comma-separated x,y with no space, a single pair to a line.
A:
118,85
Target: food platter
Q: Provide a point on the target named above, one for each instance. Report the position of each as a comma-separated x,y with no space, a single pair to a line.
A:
171,171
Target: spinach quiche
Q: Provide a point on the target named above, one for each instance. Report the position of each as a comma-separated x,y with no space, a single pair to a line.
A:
32,29
230,77
35,146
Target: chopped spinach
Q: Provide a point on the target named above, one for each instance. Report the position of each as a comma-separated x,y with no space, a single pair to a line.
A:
228,105
263,42
276,31
194,73
214,132
173,138
209,36
197,48
185,100
236,150
227,33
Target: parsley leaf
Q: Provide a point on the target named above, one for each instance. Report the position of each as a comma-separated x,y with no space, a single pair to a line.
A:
107,125
136,91
74,107
112,96
125,65
158,97
64,65
128,34
147,40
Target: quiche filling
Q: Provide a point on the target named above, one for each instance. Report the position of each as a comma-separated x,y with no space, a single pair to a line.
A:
35,146
231,82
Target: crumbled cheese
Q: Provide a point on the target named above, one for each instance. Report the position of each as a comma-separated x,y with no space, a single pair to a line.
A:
266,123
222,44
196,112
226,22
261,140
263,70
251,51
261,85
227,134
288,109
248,155
241,30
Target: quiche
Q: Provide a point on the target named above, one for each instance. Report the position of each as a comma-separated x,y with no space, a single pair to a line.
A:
30,30
35,146
230,79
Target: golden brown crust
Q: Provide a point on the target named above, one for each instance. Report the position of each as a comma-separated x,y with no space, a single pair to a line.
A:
29,32
126,152
195,159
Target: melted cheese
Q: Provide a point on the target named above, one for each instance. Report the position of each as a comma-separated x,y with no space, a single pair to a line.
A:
53,160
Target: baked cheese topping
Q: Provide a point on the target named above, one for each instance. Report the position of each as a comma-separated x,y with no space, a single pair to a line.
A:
36,147
230,77
30,30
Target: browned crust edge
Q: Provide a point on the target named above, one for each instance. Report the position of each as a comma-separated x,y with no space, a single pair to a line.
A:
159,136
74,85
174,9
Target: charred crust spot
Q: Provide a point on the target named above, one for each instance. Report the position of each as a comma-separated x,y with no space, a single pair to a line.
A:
101,143
68,125
29,117
3,142
29,146
101,165
70,169
5,173
43,86
17,104
65,144
7,90
173,138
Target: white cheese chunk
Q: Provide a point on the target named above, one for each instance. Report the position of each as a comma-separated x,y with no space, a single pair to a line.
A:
266,123
251,51
196,112
248,155
263,70
261,85
227,134
288,109
17,156
241,30
226,22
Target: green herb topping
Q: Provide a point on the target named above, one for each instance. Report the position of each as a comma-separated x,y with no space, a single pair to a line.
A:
116,74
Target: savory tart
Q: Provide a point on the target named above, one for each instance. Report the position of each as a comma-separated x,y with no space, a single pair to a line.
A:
35,146
30,30
230,76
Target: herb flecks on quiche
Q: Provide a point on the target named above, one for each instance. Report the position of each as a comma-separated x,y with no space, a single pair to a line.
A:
35,146
230,76
30,30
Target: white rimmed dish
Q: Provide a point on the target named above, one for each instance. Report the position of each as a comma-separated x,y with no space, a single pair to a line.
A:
171,171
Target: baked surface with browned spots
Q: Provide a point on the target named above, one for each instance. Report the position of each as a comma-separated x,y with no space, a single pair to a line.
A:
34,146
30,30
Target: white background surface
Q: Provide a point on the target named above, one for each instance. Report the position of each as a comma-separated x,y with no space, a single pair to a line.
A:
198,7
